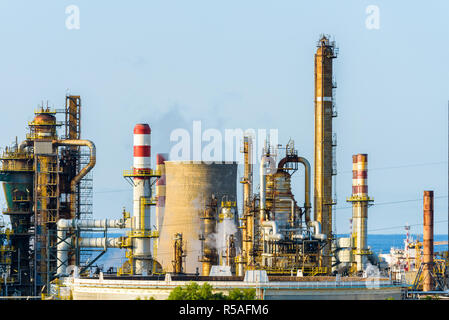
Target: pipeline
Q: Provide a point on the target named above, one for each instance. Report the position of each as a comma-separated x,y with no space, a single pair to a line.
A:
64,243
83,172
306,164
275,235
100,242
317,235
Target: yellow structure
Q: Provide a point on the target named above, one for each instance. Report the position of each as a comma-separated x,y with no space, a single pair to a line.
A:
247,224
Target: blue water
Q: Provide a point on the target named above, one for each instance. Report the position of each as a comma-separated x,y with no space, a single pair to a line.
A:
379,243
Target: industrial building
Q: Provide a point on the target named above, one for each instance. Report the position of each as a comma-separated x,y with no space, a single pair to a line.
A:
185,222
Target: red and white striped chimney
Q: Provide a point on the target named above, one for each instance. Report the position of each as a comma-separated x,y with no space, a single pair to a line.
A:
360,202
360,175
142,148
142,218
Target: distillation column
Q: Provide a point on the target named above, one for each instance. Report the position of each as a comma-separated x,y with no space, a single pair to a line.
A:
360,202
324,162
248,215
142,220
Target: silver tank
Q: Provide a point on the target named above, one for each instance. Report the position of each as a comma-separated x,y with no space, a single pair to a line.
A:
189,184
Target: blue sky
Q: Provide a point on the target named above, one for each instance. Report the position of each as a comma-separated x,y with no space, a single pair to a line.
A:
242,64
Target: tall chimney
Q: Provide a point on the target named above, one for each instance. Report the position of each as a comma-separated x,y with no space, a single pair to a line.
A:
428,241
324,143
360,202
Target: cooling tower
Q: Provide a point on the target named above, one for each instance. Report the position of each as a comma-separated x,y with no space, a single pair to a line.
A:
189,184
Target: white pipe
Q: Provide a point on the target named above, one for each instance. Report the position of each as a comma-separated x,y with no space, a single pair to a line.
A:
272,225
91,223
62,252
22,145
64,244
317,226
100,242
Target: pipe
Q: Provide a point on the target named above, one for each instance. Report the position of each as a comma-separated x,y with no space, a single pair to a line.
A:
91,223
64,244
23,145
306,165
317,226
100,242
62,252
83,172
273,226
262,188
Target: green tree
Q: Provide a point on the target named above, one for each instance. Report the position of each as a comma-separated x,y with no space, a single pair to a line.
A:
193,291
242,294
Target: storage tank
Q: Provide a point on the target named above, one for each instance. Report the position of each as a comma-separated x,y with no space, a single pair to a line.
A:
189,184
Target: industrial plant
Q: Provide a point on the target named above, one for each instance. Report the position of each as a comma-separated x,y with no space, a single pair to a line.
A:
186,223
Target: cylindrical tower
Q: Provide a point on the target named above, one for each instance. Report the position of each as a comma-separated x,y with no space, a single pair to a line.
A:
160,189
248,216
208,236
279,198
360,202
189,185
142,219
428,282
324,158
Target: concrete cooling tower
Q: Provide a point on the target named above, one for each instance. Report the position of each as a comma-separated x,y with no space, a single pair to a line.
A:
189,184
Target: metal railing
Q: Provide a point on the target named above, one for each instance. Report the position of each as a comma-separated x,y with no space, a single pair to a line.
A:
141,173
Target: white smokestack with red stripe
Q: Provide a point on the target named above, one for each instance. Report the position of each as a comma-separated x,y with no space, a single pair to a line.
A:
142,219
142,148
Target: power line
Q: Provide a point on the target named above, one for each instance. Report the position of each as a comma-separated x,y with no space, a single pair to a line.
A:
410,225
111,191
393,202
403,166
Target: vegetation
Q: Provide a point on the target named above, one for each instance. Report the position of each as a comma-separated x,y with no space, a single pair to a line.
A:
193,291
429,297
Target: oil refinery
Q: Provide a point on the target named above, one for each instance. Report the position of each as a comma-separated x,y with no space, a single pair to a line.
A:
186,223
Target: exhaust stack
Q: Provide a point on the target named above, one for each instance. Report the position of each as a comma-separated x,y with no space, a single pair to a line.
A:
428,283
324,143
360,202
142,221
